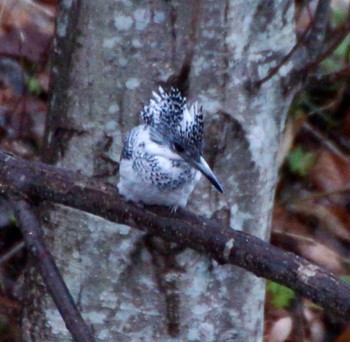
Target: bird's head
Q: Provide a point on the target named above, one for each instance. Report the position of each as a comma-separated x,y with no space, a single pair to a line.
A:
179,128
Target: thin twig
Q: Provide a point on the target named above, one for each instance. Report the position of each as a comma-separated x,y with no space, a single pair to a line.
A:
336,42
11,253
330,77
313,39
343,32
326,142
286,58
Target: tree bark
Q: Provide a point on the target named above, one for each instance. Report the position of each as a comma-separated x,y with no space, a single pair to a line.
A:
128,286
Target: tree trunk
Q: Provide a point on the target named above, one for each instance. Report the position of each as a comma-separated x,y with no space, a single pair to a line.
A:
128,286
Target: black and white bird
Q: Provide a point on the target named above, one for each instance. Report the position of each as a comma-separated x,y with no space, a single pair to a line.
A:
162,160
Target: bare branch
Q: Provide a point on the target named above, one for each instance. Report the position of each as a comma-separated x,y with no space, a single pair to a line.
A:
285,59
312,39
49,272
343,32
206,236
316,36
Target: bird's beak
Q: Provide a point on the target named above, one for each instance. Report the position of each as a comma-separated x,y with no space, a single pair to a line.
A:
203,167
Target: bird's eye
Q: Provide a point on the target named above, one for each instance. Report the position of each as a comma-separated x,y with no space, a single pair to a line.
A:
178,148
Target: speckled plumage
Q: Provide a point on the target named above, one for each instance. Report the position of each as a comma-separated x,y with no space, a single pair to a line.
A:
160,159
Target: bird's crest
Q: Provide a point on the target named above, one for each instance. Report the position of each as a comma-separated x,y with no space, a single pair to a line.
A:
169,116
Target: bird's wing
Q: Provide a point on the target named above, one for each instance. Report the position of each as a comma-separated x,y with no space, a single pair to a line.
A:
151,168
128,146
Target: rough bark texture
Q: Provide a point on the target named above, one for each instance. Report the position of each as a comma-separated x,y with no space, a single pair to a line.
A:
122,50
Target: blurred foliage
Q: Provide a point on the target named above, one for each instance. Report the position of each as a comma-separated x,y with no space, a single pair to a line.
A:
300,161
33,86
345,278
338,17
281,296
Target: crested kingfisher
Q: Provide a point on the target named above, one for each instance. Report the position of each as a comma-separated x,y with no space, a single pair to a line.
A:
162,159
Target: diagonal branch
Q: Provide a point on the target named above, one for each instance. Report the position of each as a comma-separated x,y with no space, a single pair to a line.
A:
312,40
48,270
206,236
316,36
